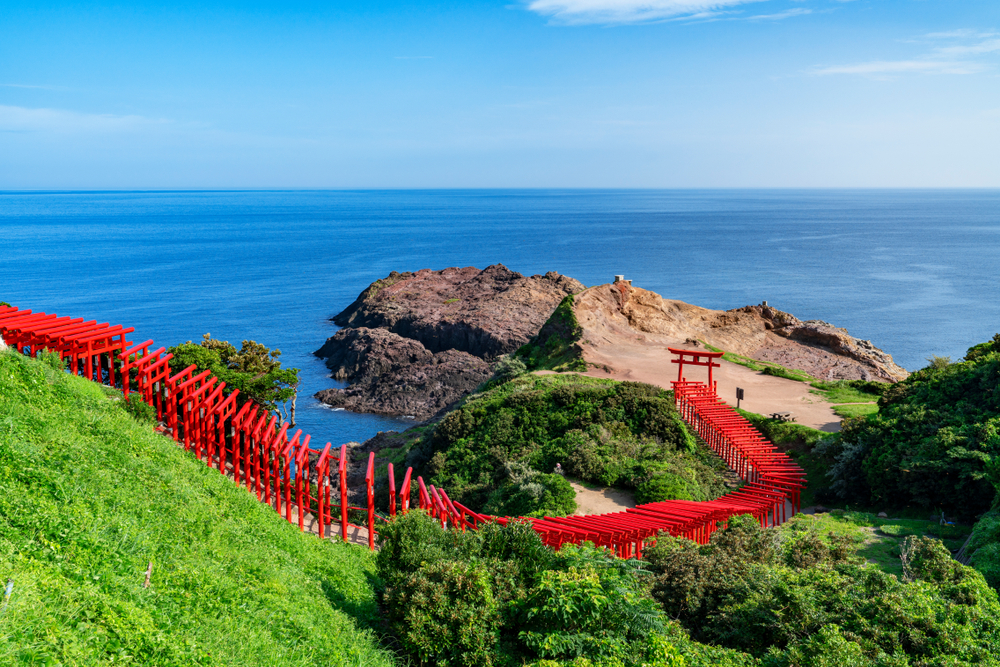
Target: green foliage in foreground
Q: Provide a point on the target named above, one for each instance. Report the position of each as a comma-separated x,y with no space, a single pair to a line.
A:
498,596
89,497
506,442
795,596
934,443
555,346
984,547
253,369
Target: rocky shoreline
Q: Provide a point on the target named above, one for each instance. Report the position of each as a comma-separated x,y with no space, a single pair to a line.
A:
414,343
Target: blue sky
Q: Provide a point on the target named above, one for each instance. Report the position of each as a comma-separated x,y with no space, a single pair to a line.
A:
540,93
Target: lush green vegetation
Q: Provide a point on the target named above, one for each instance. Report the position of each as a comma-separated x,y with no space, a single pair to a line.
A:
555,347
880,540
934,442
498,450
984,547
799,595
89,497
253,369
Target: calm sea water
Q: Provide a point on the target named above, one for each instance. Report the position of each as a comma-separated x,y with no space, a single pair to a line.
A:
914,271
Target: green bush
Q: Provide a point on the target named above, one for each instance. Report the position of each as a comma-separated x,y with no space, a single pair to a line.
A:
528,492
447,614
411,540
556,347
777,595
667,486
984,547
931,443
610,433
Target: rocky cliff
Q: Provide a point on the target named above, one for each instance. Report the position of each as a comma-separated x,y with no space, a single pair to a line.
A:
413,343
618,316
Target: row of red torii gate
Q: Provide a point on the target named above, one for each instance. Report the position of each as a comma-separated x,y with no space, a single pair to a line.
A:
254,448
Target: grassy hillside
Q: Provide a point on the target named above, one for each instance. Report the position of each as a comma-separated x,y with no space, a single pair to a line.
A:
89,496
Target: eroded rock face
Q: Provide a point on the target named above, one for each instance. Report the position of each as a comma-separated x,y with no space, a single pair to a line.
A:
417,390
486,313
617,316
414,343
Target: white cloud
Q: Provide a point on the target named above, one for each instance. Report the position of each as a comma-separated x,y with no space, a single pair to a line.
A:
580,12
985,46
23,119
956,58
787,14
883,67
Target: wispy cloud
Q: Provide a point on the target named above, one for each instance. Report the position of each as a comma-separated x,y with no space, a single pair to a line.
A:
902,67
787,14
24,119
957,56
610,12
26,85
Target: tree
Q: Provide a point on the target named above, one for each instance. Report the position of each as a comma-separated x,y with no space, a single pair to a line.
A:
253,369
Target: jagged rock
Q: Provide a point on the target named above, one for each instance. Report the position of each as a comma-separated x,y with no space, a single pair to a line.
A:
417,390
414,343
486,313
358,354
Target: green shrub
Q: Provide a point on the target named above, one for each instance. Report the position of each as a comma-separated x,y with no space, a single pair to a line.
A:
531,493
413,539
667,486
606,432
448,615
984,547
591,605
932,441
743,593
140,410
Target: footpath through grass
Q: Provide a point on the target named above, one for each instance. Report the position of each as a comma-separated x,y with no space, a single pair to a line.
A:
89,497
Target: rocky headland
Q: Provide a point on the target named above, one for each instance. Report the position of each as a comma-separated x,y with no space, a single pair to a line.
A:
616,317
413,343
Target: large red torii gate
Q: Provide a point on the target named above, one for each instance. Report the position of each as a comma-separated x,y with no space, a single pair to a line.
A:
695,360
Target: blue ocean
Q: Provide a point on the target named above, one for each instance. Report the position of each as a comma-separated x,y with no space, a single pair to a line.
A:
914,271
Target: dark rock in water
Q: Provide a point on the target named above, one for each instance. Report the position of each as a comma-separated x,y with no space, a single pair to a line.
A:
414,343
486,313
360,354
417,390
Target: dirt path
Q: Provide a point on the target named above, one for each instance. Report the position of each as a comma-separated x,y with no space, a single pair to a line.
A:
764,394
597,500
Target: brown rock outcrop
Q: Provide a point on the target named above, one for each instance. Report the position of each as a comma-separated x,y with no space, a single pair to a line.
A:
486,313
622,314
414,343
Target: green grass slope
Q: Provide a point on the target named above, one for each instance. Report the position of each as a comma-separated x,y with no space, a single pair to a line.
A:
89,496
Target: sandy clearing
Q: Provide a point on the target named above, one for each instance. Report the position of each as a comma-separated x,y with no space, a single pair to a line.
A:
597,500
764,394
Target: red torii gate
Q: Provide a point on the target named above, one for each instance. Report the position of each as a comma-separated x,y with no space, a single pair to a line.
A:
695,360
